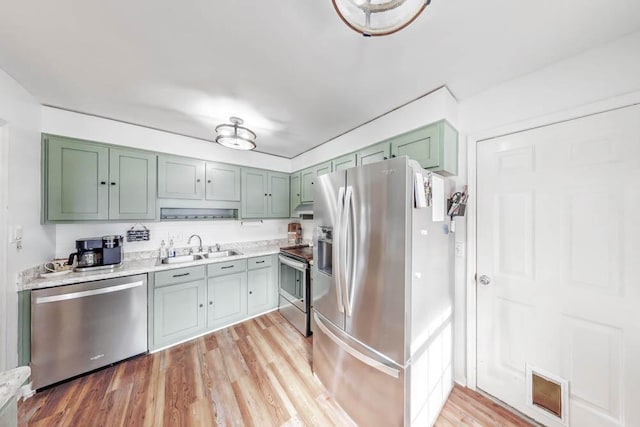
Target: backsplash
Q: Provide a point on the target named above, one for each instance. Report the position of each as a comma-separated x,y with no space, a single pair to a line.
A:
179,231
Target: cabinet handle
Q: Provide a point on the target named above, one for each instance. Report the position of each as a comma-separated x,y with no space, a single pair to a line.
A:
384,158
269,195
208,181
201,305
265,194
181,275
228,266
259,262
198,180
103,183
250,292
210,302
393,156
298,194
113,183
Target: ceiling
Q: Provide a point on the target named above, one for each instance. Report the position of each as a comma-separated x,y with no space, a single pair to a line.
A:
290,68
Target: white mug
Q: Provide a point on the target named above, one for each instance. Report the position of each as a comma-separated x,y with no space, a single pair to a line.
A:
56,265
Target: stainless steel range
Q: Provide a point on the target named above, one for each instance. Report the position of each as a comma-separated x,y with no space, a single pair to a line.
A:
295,286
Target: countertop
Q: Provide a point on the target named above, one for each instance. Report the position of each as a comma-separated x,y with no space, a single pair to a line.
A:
11,381
146,265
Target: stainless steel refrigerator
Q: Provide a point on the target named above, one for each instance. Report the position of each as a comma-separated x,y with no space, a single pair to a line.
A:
383,295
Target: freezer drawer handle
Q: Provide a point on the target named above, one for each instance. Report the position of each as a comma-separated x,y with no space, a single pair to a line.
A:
395,373
82,294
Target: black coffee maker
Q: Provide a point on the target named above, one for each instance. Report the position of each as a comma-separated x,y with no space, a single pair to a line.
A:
97,252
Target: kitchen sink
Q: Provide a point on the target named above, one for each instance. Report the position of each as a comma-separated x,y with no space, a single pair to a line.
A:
199,256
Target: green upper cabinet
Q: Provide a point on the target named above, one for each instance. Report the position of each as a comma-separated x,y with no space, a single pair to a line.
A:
180,177
435,147
374,153
308,179
254,193
132,184
295,192
77,180
265,194
344,162
223,182
278,206
89,181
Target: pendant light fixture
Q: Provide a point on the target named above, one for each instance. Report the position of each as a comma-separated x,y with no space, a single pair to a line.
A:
232,135
379,17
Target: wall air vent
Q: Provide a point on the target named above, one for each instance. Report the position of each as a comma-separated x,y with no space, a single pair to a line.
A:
197,214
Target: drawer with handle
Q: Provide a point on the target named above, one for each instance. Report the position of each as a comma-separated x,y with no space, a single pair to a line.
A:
178,275
260,262
222,268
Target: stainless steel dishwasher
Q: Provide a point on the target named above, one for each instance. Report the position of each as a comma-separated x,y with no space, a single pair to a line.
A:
78,328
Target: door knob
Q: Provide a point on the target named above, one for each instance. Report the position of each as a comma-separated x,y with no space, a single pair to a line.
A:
484,280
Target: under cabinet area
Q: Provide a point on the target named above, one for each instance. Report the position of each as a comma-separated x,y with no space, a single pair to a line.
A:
190,301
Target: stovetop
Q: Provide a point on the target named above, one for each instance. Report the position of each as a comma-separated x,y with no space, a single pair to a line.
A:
301,252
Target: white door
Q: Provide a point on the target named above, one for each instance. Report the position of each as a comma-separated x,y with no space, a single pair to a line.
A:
559,240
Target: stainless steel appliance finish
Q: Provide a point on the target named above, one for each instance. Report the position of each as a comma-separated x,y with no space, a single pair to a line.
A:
294,302
79,328
387,297
97,253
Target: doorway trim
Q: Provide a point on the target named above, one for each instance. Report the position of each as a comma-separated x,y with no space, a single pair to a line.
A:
573,113
4,247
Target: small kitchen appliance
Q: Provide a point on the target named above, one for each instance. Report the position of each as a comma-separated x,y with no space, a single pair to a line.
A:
97,252
295,233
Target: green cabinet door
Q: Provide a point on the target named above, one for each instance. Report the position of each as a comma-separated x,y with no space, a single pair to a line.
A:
294,192
421,145
344,162
323,169
261,290
278,195
374,153
179,312
180,177
132,184
307,177
223,182
255,195
227,299
77,180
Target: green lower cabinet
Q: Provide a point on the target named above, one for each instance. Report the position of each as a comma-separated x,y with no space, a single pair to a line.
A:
179,312
9,413
262,285
227,299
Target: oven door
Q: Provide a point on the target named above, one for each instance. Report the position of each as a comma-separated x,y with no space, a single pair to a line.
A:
293,281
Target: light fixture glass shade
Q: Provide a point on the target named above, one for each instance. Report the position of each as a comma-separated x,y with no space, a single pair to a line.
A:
235,136
379,17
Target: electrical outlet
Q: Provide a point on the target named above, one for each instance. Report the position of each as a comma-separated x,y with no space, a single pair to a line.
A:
459,249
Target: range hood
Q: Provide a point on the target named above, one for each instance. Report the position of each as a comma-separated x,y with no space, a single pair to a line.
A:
304,210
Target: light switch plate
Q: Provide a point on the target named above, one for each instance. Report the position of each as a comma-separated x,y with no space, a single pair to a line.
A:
459,249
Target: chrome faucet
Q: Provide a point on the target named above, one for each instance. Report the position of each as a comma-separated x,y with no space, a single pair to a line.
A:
199,240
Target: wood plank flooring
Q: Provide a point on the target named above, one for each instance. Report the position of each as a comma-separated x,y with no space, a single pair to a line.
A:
257,373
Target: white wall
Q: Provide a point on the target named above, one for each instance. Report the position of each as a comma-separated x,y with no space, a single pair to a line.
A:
596,80
22,114
437,105
211,232
83,126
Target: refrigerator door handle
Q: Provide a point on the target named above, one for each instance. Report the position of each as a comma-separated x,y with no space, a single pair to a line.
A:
338,252
348,282
392,372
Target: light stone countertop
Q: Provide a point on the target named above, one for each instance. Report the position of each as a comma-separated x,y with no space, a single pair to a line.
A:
131,265
11,381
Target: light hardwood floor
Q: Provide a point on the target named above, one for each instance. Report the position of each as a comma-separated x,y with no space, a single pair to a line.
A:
257,373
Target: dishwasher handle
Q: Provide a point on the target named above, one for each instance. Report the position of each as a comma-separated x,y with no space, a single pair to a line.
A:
93,292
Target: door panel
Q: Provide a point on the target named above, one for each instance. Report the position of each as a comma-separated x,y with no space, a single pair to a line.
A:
261,287
180,178
132,185
223,182
278,195
376,264
178,312
375,153
294,190
77,181
254,194
344,162
558,238
227,299
325,292
308,176
422,145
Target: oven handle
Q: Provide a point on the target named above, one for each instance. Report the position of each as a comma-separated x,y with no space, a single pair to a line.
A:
291,263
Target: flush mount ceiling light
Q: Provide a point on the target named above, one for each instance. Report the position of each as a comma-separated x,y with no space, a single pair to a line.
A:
232,135
379,17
